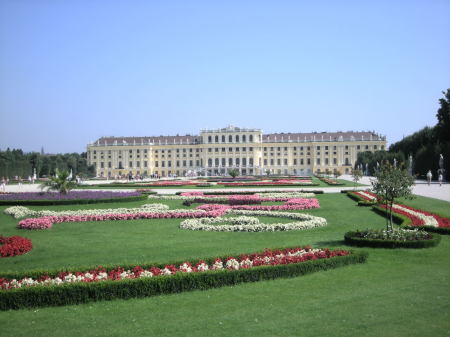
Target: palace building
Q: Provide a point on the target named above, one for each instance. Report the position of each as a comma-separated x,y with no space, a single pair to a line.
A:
214,152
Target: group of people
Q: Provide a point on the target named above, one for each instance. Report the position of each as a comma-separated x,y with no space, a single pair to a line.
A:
430,176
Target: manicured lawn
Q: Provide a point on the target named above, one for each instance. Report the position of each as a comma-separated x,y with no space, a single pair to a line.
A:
396,293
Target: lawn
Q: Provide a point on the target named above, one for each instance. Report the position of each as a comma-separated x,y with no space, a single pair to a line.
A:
396,293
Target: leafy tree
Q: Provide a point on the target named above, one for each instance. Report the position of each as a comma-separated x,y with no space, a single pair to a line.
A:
392,183
443,116
233,173
267,172
60,182
357,175
336,173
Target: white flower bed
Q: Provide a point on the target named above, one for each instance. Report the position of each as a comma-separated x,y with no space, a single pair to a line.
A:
428,220
21,211
252,224
367,195
288,195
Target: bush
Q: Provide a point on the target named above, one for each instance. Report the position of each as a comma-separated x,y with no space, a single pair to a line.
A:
355,239
75,293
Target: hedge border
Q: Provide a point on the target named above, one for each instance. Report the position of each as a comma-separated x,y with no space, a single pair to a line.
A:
350,239
77,293
70,202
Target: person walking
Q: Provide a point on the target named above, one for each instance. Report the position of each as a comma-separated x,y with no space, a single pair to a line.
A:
3,184
429,177
440,178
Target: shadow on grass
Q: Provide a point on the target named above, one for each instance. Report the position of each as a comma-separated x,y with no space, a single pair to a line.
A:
330,243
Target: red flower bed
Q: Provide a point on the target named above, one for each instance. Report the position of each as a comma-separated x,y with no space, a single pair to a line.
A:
14,245
419,219
268,257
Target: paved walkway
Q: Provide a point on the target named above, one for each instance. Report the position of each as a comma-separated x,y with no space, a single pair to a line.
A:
420,188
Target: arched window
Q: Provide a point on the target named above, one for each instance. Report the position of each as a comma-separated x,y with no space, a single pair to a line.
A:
237,138
217,139
223,139
244,138
251,138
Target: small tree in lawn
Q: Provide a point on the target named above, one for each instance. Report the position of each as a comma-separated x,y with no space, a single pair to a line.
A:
336,173
357,175
268,172
60,182
392,183
233,173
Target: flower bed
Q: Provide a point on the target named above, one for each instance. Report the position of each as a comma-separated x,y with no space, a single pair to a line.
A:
281,182
364,198
72,287
419,219
290,205
400,238
22,211
47,222
73,197
14,245
328,181
245,223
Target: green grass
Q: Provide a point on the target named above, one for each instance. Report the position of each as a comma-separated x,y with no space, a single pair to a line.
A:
396,293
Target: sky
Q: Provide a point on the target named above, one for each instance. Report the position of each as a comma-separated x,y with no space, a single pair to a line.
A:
74,71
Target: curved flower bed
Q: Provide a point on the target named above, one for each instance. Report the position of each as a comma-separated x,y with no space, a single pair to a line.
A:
22,211
47,221
244,223
290,205
364,198
420,218
14,245
401,238
73,197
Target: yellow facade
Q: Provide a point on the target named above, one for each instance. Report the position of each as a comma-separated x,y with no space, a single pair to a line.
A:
214,152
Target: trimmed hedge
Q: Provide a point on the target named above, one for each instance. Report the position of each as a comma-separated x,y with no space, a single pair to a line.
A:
76,293
351,239
69,202
405,222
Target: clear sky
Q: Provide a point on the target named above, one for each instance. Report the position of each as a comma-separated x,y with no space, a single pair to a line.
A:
73,71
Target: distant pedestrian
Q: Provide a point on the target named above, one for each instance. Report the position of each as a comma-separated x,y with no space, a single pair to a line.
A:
20,181
3,184
29,179
429,177
440,178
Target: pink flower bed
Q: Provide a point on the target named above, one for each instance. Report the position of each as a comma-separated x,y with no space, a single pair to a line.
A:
47,221
268,257
290,205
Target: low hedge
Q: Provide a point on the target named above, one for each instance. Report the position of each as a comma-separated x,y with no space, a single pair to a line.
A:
352,239
76,293
70,202
405,222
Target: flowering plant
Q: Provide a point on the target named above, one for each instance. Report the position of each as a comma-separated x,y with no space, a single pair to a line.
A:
14,245
267,258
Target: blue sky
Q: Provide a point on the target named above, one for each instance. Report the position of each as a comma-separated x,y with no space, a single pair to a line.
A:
73,71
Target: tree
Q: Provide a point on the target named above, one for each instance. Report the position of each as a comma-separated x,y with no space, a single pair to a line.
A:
392,183
233,173
60,182
267,172
336,173
442,127
357,175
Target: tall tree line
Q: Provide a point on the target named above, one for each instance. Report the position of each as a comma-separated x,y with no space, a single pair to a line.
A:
17,163
425,146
